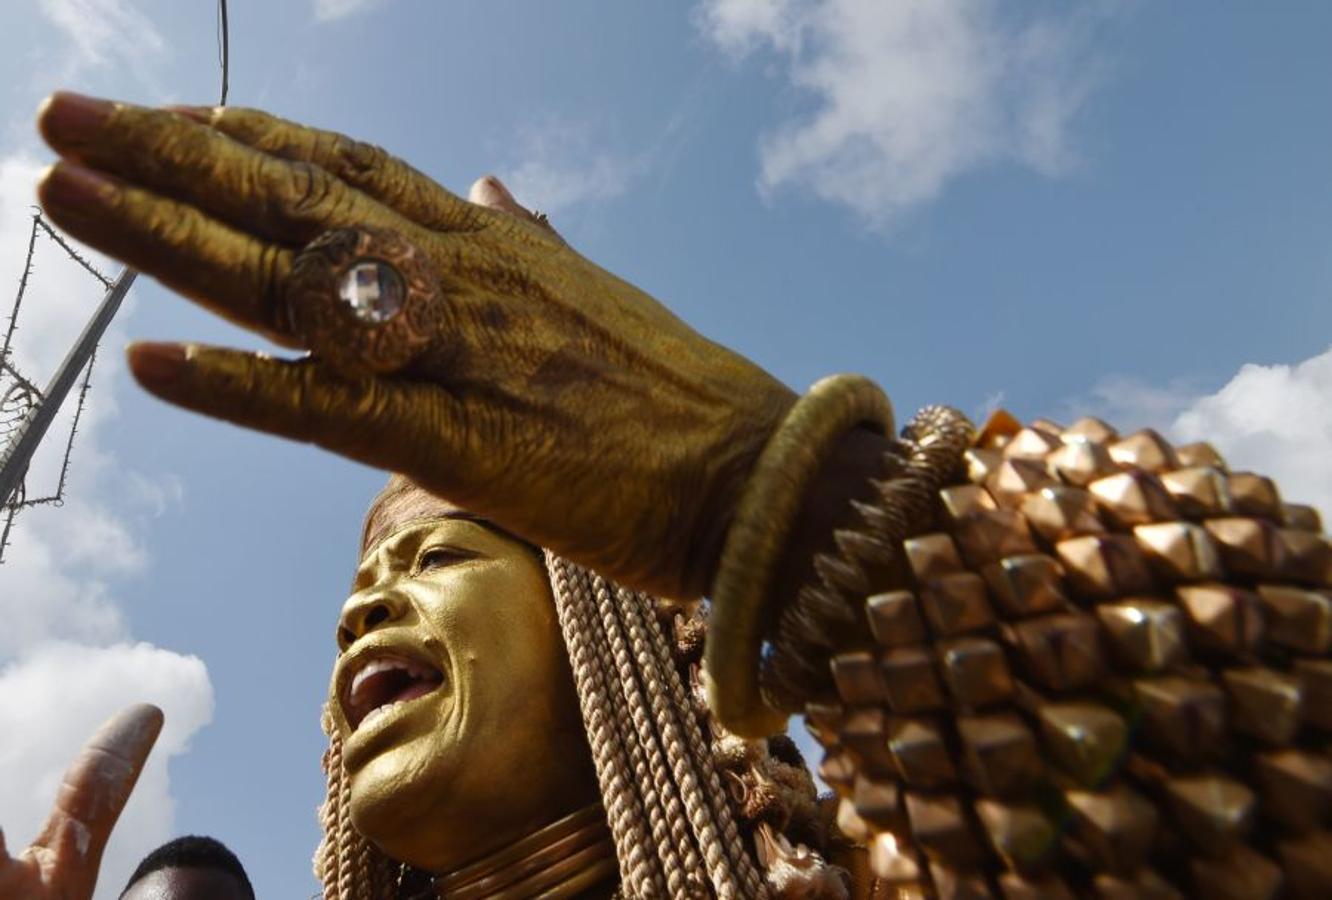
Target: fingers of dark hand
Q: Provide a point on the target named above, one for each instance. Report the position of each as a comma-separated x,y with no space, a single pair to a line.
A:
306,401
93,793
232,273
171,154
364,166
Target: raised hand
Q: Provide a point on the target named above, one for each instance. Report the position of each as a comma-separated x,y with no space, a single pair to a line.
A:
554,397
62,863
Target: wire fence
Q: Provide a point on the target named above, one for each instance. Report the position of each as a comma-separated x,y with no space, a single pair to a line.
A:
20,396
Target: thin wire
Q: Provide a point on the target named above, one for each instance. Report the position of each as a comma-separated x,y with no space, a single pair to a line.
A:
224,47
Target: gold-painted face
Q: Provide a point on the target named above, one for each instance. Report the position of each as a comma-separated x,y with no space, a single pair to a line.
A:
453,696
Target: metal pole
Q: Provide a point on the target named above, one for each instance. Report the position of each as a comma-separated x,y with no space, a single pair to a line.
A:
14,462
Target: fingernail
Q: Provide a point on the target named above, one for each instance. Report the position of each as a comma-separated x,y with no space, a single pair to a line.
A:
490,191
73,186
73,117
156,364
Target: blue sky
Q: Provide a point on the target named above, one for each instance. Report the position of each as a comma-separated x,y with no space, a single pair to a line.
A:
1122,209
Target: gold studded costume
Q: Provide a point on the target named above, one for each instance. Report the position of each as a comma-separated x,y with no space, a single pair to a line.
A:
1103,671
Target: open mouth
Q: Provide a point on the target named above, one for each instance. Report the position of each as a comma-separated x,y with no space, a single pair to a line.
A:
379,683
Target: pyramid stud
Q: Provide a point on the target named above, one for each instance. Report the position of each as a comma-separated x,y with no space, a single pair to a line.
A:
1145,450
980,462
1264,704
1147,635
823,721
1213,811
1301,516
1183,716
1019,834
955,604
1115,827
1141,885
894,619
959,883
1297,619
1242,873
1059,513
1255,495
1031,443
940,828
988,535
1091,429
1104,567
1062,652
1133,498
1308,865
1200,492
858,678
1295,787
1316,680
1307,556
932,555
864,735
922,758
892,862
1222,618
961,499
838,770
913,685
1026,585
975,671
1081,462
1179,551
1086,740
1013,479
1200,453
1033,887
999,753
1249,547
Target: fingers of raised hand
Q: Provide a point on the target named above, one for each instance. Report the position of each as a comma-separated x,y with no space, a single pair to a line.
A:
234,274
390,424
283,200
364,166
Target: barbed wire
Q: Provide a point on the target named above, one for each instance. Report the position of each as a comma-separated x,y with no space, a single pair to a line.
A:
19,395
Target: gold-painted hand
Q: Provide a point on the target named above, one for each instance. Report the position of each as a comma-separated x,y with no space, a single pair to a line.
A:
559,400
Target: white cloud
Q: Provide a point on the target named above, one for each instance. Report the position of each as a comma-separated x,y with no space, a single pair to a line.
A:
909,95
329,10
52,699
106,33
558,166
1275,420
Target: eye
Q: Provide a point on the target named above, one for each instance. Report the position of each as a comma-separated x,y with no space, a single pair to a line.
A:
439,556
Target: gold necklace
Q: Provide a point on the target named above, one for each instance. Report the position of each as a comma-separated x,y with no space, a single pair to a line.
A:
561,860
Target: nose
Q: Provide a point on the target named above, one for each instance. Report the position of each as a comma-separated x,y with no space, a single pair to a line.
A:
367,610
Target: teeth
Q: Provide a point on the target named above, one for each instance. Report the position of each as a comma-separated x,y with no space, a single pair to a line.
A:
375,666
376,713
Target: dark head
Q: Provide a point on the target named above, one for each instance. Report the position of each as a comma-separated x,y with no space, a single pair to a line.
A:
189,868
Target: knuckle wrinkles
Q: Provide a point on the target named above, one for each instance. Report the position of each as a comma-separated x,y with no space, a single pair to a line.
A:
309,189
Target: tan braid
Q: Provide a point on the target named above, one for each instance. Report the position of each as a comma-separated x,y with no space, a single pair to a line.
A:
573,605
654,780
678,802
709,812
